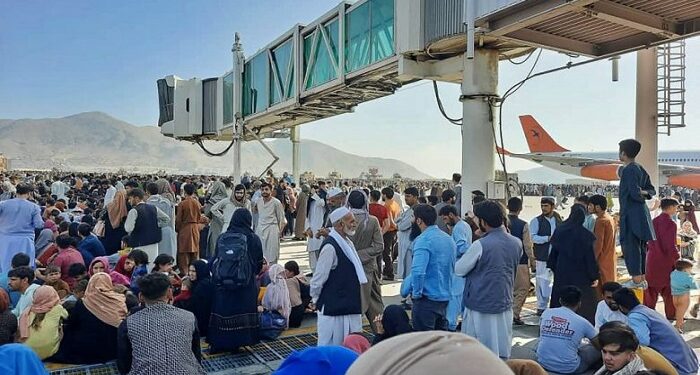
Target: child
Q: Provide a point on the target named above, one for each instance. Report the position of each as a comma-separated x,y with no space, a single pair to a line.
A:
688,236
681,284
164,264
76,272
299,296
53,279
78,293
140,259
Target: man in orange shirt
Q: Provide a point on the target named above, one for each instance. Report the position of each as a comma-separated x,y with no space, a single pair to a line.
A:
604,230
390,251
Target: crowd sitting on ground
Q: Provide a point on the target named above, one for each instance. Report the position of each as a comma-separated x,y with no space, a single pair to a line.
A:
129,262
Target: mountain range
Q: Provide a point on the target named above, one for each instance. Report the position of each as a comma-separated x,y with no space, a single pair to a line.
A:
97,142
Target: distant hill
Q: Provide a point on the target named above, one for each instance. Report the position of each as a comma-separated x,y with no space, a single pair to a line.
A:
95,141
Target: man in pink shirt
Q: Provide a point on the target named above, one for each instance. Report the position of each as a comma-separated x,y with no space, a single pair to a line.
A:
67,256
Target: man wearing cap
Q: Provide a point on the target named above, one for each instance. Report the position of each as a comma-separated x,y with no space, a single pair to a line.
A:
271,222
336,284
335,198
541,229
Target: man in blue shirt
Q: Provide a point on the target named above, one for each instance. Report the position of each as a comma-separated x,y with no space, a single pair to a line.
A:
90,247
655,331
462,236
561,331
430,281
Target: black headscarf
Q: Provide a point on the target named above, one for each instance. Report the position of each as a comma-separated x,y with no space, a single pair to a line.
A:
202,297
241,222
395,322
203,274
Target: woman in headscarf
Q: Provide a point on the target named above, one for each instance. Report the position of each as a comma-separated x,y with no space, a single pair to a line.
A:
431,352
165,190
572,259
91,329
357,343
218,200
18,359
237,309
689,209
101,264
114,218
44,240
40,323
276,296
301,210
8,322
394,322
125,266
198,298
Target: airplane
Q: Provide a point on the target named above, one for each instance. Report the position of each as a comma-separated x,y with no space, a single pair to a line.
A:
677,168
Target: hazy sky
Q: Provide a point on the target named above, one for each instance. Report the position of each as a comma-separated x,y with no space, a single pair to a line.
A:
62,57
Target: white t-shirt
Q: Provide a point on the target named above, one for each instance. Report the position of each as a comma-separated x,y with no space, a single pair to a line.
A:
603,314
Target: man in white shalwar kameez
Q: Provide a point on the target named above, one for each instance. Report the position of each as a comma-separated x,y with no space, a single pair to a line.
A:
336,283
489,265
316,213
271,222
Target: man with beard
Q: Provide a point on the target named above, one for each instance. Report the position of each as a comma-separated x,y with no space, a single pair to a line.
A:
403,223
335,198
608,310
541,230
271,222
462,236
336,284
369,244
430,280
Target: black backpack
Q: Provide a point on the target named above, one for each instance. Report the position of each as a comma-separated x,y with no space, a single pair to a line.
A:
232,267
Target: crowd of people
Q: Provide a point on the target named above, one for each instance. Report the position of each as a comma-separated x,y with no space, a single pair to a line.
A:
149,267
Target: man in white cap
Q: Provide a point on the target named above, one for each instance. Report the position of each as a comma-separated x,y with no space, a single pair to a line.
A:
336,283
315,218
335,198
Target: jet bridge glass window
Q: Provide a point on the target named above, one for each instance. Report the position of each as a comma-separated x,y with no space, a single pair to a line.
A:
228,98
321,63
255,85
282,82
369,34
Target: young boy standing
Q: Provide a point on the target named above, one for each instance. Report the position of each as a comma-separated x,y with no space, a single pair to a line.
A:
635,221
661,259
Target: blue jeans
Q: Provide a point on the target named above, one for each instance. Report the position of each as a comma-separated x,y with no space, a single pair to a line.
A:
427,315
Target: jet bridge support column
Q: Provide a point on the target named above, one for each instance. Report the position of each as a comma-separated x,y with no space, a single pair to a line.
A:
479,84
296,153
238,126
646,128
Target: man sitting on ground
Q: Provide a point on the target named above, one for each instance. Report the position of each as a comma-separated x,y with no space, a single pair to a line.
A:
561,331
618,347
653,330
608,310
21,279
160,338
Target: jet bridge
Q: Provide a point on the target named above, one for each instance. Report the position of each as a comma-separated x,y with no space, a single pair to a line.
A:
364,50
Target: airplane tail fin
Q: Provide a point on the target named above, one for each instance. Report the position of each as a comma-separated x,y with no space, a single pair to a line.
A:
538,140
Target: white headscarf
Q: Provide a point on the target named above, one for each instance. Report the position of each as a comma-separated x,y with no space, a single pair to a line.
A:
277,294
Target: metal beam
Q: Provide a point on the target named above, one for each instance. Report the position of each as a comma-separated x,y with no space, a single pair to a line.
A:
624,44
532,14
555,42
630,17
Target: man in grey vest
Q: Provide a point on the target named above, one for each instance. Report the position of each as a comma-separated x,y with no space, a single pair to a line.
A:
541,230
489,266
160,338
